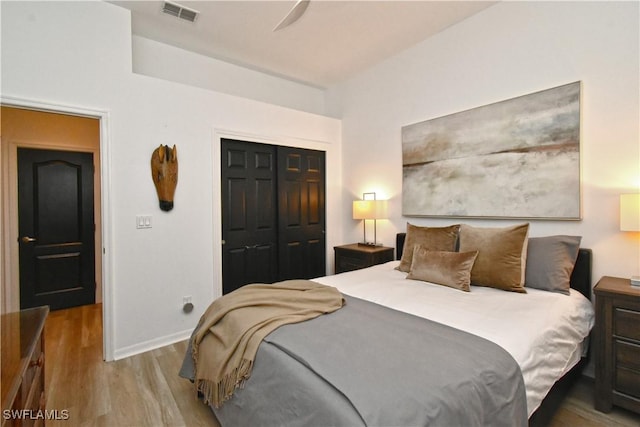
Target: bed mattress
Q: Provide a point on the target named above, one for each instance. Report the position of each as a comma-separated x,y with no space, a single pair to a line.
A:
543,331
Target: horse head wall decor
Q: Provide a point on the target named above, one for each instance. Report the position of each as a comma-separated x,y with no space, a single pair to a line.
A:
164,171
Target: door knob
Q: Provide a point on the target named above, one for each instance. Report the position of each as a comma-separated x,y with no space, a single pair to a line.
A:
27,239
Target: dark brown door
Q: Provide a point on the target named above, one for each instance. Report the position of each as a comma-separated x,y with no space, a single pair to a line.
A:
301,212
249,214
56,228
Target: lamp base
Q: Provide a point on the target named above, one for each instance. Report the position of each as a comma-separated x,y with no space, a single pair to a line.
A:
635,281
370,244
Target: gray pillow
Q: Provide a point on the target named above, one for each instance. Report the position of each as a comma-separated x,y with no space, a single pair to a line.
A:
550,262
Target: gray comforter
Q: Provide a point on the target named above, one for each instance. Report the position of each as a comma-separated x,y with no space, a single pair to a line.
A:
366,364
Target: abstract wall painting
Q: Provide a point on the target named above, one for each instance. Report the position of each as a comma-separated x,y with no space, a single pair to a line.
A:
518,158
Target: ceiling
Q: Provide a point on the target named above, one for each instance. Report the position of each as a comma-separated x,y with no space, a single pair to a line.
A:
331,42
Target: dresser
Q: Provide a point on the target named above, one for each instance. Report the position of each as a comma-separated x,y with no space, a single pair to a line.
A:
356,256
617,346
23,367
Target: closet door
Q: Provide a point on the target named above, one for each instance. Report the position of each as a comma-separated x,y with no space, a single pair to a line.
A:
301,213
249,214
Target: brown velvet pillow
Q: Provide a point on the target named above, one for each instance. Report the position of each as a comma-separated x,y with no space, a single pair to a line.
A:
431,238
452,269
502,255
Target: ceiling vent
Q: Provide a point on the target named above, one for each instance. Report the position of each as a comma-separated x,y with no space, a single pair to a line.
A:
179,11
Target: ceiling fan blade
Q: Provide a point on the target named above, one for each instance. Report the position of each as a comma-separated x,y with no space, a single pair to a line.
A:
294,14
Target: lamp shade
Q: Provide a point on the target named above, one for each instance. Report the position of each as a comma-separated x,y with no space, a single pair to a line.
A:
369,209
630,212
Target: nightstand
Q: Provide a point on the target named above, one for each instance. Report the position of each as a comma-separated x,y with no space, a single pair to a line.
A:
617,344
355,256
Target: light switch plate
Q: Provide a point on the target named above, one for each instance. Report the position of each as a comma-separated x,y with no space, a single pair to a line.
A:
143,221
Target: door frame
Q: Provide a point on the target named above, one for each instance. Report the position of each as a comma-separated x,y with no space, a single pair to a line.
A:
9,225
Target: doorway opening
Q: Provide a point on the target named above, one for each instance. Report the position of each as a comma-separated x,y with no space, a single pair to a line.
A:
29,129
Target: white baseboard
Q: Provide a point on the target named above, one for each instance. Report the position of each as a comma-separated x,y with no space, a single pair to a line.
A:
145,346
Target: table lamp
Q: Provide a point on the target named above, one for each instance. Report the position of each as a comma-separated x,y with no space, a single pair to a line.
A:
369,209
630,219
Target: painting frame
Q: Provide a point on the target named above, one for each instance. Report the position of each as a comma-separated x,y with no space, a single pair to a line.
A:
519,158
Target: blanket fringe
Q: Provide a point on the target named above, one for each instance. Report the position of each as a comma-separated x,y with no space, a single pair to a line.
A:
217,393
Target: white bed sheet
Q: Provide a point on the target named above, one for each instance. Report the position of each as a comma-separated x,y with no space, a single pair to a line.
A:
543,331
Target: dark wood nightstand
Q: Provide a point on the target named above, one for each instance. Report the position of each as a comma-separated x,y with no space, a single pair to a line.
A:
617,345
355,256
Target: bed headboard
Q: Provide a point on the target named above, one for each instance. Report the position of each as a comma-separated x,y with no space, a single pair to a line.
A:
580,277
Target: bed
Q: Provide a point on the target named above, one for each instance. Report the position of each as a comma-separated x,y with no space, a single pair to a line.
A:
362,365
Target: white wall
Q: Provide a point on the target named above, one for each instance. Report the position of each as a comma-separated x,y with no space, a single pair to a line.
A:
510,49
155,59
78,54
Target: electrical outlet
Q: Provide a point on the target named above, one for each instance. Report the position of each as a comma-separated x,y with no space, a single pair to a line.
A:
187,306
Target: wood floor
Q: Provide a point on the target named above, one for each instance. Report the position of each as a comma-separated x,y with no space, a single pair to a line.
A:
145,390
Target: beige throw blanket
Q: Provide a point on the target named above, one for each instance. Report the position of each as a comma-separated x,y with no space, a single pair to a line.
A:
227,339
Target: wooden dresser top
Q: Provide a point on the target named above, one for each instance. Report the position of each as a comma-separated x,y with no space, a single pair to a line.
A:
20,332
